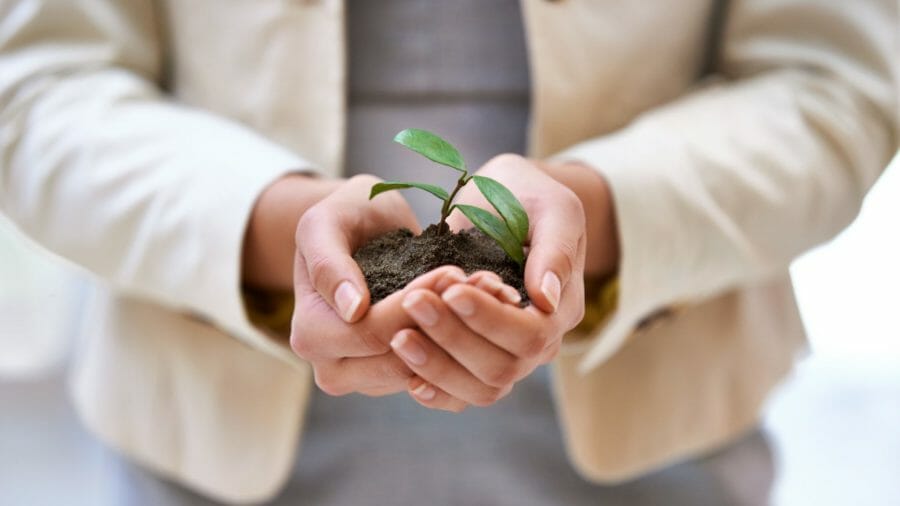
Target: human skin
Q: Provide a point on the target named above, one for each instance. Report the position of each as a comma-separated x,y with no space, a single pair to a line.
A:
299,236
466,337
267,258
346,342
350,352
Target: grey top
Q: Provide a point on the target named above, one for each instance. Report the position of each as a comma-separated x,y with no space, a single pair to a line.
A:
460,69
457,68
465,77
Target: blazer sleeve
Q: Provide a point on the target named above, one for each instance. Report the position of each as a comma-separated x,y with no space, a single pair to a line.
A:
726,185
100,167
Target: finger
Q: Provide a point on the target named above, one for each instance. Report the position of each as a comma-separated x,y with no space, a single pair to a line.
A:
388,316
524,332
491,283
329,233
375,375
318,334
433,397
571,306
437,280
550,352
457,221
490,364
435,366
324,246
331,338
553,256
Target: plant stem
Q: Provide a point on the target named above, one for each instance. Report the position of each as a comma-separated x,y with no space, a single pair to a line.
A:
443,228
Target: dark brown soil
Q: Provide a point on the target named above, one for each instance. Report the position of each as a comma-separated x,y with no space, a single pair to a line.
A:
394,259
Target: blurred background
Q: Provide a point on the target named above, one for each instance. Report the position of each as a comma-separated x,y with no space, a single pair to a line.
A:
834,427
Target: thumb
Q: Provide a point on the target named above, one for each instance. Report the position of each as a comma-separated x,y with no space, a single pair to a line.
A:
554,254
389,317
325,262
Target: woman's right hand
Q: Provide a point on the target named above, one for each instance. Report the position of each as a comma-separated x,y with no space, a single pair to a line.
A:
349,352
347,342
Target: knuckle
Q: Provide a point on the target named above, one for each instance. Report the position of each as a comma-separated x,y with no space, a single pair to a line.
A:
376,391
571,204
487,397
503,376
301,343
328,382
320,269
533,345
567,250
505,158
392,207
395,368
562,258
306,223
457,407
364,179
438,374
372,343
301,346
551,353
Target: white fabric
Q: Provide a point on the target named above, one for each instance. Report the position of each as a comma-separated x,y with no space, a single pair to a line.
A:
716,187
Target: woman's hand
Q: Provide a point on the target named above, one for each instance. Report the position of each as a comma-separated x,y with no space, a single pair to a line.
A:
329,232
357,357
456,340
557,227
267,256
345,341
350,352
474,342
472,345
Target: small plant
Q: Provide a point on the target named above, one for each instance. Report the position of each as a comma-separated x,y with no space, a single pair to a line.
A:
510,230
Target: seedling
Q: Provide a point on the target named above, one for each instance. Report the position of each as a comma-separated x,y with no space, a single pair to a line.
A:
510,229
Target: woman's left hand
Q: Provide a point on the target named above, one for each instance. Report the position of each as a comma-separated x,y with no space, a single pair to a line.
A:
472,346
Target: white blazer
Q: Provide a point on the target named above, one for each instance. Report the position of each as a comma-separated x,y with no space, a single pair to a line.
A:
137,135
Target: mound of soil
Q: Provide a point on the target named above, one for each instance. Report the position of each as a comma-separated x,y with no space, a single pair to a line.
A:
394,259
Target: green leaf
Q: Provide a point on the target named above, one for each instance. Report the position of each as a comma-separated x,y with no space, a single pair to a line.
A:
496,230
432,147
506,204
437,191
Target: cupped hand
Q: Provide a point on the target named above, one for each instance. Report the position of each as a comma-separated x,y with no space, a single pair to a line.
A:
557,234
333,328
356,357
474,342
471,345
349,352
330,231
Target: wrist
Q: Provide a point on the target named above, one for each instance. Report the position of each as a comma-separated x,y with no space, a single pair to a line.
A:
268,250
591,188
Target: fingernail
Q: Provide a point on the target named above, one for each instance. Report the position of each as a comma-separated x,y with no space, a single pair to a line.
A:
506,292
419,308
424,392
347,299
550,287
450,278
511,295
490,283
459,302
408,349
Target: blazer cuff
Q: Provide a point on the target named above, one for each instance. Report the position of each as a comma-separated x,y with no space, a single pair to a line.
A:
643,220
222,215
